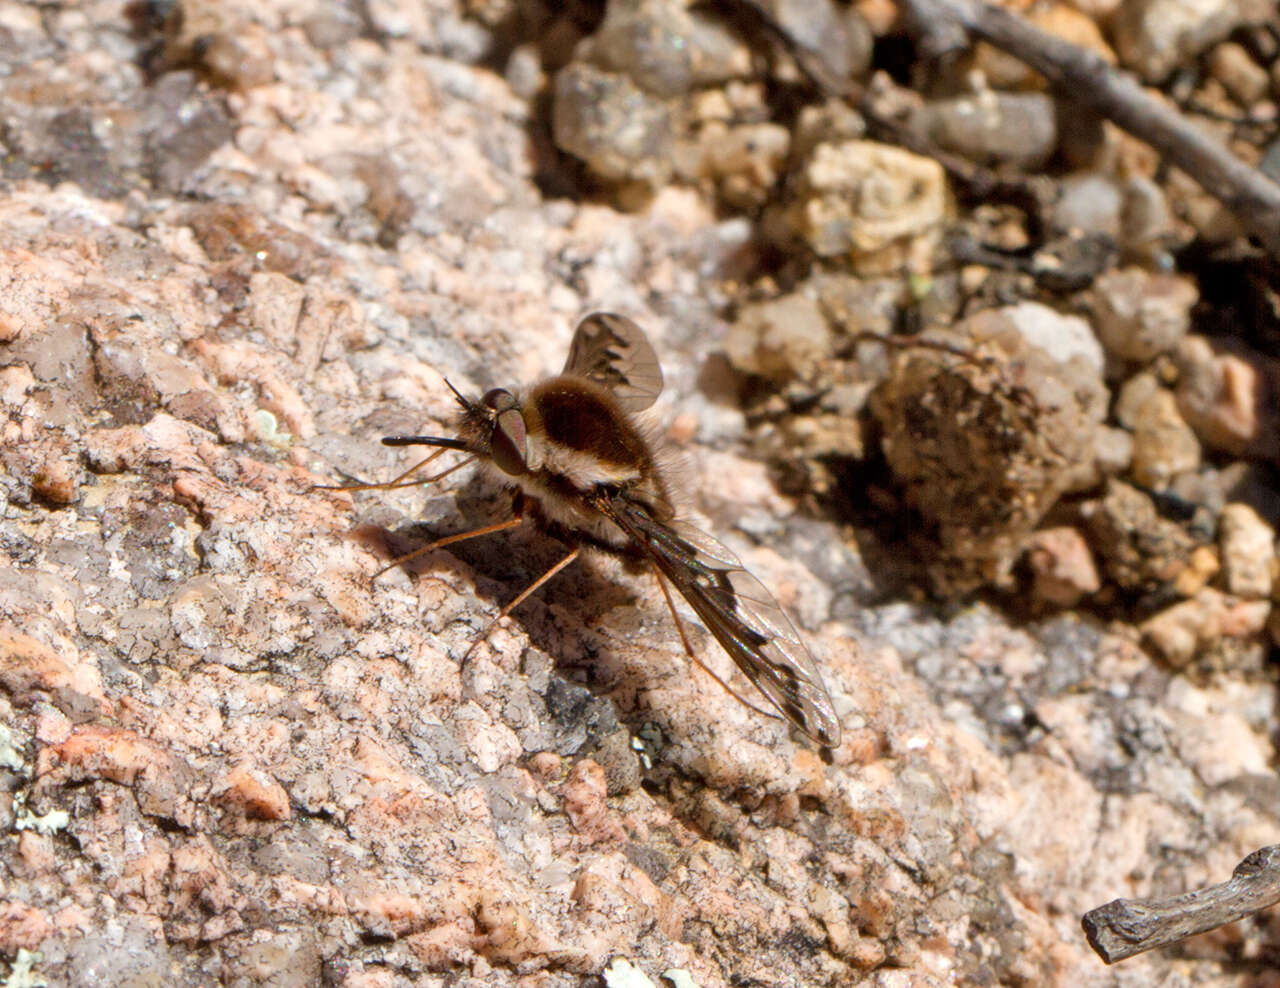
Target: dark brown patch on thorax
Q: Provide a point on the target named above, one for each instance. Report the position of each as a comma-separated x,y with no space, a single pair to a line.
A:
583,416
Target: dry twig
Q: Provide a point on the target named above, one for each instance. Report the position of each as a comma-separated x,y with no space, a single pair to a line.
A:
1126,927
1086,78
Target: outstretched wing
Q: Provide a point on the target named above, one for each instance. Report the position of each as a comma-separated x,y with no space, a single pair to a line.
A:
739,612
613,351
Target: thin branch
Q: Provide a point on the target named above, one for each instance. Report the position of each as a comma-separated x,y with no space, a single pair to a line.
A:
1088,79
1029,193
1126,927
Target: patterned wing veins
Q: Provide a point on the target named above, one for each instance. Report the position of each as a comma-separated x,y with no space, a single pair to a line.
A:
614,352
739,612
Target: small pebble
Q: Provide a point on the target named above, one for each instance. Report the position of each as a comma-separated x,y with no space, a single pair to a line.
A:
1202,566
1145,218
1062,567
1138,549
1063,337
524,71
880,205
1163,444
1114,449
1269,165
716,53
981,460
56,481
1139,315
1131,396
1243,78
1155,37
1181,632
647,41
782,339
840,40
1089,203
1248,551
1228,398
745,161
606,120
1014,130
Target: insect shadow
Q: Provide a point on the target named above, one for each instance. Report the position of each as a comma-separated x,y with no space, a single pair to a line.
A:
558,620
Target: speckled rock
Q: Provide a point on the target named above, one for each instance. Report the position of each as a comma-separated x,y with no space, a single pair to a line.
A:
440,28
22,928
880,206
620,131
1229,742
1139,550
228,754
981,458
1139,315
665,48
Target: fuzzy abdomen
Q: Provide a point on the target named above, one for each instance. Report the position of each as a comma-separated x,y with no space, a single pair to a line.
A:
580,444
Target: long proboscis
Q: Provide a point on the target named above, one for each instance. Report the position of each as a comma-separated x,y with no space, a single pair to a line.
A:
443,442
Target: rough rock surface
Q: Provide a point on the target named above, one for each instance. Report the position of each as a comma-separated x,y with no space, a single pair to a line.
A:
237,248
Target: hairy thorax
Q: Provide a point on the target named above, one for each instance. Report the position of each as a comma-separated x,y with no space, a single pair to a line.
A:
580,444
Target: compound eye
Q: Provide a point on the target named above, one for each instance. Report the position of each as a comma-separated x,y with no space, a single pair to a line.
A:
507,444
499,400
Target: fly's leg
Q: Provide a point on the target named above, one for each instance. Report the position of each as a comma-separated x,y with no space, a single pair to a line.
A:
522,597
501,526
399,480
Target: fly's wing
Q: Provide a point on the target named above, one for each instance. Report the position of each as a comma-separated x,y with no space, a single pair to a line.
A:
739,612
614,352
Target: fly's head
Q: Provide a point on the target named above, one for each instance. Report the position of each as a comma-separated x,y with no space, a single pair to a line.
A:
494,427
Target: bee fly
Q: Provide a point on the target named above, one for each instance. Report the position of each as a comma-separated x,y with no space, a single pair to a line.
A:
587,473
